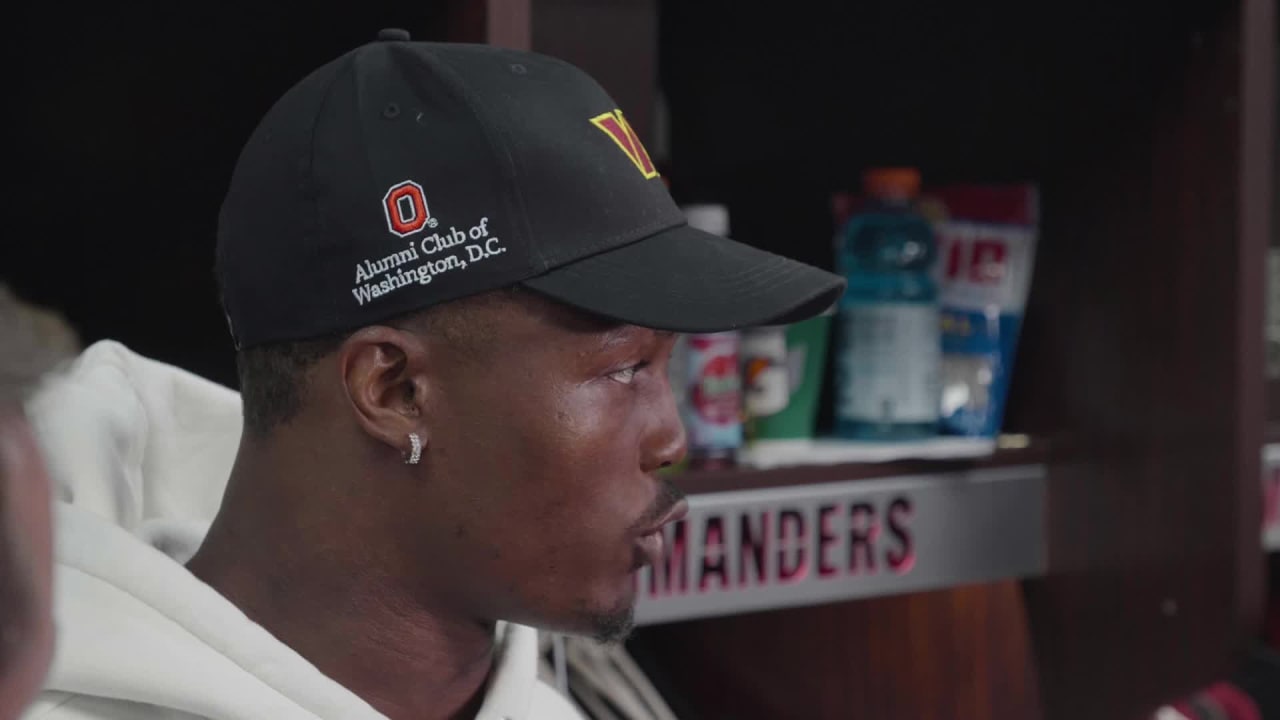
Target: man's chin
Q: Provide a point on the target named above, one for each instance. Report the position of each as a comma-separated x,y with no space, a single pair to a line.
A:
607,617
613,628
608,626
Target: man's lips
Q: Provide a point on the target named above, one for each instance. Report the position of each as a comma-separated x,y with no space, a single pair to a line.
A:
676,513
652,542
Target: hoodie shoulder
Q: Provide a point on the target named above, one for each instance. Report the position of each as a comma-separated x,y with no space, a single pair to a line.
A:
69,706
136,630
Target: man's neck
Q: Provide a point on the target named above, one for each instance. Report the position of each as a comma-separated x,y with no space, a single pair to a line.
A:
362,630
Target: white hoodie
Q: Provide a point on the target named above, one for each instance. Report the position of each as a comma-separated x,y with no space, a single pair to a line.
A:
140,452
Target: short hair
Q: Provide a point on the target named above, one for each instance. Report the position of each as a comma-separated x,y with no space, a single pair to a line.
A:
273,377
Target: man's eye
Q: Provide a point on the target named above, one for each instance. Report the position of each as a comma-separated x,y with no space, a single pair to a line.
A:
626,376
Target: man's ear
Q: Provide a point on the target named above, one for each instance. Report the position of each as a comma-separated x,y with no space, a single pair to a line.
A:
383,372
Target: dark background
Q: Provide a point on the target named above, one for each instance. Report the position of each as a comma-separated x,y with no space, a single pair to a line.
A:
125,124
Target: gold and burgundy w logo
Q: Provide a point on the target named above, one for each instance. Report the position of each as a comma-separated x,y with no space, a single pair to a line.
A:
616,126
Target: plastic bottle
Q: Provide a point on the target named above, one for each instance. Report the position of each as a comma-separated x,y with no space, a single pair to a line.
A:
712,406
888,353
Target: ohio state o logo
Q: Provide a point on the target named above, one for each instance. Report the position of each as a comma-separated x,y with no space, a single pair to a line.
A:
405,206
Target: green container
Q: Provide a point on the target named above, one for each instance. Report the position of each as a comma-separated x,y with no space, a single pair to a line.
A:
806,361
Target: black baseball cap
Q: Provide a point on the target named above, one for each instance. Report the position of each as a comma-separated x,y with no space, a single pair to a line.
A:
406,174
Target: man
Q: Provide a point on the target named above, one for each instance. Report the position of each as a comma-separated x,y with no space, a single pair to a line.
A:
31,343
453,277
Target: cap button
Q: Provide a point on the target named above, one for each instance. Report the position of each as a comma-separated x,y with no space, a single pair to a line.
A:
393,35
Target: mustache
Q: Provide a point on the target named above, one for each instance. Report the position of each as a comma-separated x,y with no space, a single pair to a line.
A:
668,496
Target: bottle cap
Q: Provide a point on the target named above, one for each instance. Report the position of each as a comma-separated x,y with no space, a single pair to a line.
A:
901,183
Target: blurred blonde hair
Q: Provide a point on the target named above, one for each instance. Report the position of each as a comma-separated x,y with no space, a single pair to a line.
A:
33,341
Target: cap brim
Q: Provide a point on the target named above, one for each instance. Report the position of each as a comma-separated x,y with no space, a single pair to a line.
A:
690,281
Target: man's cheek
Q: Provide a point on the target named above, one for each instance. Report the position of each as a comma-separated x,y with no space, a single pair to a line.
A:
586,408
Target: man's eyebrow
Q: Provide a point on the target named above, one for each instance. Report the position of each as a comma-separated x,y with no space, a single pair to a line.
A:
623,332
